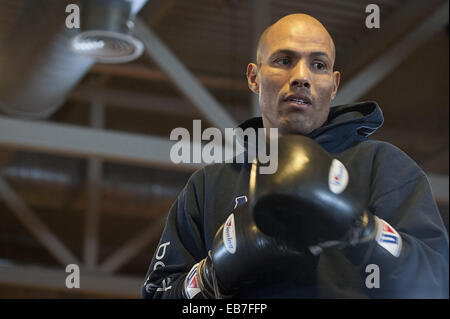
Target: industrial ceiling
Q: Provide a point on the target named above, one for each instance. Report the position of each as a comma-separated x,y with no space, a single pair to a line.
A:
84,171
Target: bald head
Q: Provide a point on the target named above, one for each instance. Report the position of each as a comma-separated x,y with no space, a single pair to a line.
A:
294,76
302,23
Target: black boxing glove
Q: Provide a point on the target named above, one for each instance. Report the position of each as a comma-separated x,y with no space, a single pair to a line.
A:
312,202
240,256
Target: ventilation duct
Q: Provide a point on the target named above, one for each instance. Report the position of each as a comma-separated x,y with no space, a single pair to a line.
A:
38,67
107,27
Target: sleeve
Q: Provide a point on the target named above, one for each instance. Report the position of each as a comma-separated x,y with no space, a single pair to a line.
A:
411,247
181,244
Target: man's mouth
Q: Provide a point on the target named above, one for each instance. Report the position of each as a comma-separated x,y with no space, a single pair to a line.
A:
298,100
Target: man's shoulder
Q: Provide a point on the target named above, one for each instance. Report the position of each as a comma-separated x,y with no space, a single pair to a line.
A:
383,150
219,170
224,167
392,163
387,150
382,158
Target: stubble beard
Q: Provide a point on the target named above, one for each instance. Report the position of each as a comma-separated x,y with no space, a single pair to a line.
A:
289,121
294,122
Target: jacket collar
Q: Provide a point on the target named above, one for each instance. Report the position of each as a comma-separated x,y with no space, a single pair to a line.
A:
346,126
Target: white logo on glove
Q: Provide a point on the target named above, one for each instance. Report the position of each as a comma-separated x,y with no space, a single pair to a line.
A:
229,235
191,287
388,238
338,177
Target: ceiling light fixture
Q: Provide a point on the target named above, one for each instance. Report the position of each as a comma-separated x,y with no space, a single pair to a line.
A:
106,36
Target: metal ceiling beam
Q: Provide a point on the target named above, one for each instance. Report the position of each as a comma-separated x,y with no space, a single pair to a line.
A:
133,246
220,49
54,279
35,225
376,71
147,102
87,142
375,41
146,73
183,78
260,21
94,182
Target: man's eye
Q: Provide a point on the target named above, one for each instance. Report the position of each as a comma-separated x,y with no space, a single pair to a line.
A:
319,65
283,61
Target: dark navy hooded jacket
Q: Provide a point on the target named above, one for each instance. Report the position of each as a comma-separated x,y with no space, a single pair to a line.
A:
394,186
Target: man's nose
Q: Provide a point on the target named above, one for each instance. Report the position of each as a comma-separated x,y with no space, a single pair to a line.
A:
300,76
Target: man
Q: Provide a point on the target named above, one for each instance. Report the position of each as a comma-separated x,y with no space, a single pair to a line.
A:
197,256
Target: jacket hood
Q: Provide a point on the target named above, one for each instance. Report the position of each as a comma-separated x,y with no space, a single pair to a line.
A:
346,126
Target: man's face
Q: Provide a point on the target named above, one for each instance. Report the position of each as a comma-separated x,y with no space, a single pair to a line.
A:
295,79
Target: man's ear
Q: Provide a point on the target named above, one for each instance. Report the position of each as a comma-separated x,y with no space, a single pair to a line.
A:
252,72
337,80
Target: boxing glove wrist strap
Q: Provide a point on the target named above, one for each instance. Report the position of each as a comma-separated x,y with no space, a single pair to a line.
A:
384,244
201,281
209,279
